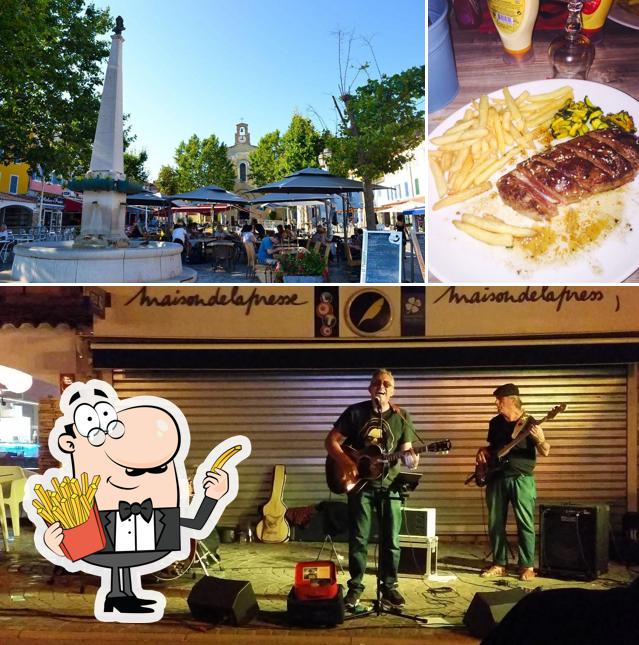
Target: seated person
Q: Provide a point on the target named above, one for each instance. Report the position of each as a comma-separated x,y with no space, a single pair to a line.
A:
258,229
289,233
319,235
136,232
193,230
4,233
356,238
220,233
267,249
248,235
279,234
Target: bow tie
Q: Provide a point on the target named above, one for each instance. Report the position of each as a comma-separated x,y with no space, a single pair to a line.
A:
145,509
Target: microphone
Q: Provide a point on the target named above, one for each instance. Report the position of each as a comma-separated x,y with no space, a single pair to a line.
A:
377,403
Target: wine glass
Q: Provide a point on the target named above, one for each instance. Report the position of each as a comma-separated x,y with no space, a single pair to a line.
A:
571,53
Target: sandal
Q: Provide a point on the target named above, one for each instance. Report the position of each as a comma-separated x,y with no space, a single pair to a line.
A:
495,571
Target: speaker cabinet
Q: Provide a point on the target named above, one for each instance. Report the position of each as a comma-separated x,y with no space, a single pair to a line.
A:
574,541
488,608
417,558
216,600
418,522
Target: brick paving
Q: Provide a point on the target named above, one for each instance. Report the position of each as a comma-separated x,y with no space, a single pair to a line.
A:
36,606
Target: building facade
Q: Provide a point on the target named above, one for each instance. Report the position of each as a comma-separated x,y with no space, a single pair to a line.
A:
238,154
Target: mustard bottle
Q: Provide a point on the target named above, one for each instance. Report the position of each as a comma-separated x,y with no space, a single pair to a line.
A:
515,20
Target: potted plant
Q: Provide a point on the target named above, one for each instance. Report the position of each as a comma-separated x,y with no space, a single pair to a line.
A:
307,266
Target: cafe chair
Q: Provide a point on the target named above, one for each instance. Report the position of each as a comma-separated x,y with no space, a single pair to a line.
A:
223,255
15,491
249,247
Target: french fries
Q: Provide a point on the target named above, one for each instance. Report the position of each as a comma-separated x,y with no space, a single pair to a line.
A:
490,135
492,230
225,456
488,237
462,196
69,503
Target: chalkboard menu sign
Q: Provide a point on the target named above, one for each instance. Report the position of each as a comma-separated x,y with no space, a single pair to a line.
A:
382,257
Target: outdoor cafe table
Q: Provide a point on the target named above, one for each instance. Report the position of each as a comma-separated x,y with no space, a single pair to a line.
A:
283,251
480,68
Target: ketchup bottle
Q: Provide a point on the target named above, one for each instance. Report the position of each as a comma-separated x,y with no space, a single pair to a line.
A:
467,13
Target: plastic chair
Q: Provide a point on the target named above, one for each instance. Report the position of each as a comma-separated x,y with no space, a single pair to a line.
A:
13,501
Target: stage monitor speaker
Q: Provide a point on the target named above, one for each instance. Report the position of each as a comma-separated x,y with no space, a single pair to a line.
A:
216,600
574,541
488,608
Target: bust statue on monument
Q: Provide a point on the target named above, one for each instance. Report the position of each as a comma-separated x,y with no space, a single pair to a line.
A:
119,26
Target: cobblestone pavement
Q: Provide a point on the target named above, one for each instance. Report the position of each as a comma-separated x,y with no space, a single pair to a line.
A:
36,606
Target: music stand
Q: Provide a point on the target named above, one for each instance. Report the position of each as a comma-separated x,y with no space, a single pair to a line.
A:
405,484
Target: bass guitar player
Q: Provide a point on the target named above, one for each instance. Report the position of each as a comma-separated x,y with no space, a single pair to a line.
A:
513,483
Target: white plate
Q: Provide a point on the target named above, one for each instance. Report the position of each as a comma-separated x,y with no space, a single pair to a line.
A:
623,17
456,258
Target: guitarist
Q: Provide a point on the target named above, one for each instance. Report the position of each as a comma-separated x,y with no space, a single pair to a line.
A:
513,482
359,426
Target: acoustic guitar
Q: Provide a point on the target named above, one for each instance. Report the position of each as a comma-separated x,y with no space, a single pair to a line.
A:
371,464
497,459
273,527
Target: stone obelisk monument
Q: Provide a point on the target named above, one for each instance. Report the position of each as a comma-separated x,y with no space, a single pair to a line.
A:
102,253
105,185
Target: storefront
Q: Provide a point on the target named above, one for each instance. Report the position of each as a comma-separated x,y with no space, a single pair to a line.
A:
279,365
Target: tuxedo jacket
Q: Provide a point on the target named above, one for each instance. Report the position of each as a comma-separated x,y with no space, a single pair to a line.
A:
167,525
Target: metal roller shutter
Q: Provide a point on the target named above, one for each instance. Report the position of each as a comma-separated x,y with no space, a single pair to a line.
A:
287,416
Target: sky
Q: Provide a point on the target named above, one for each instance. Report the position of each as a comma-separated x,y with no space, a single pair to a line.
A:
201,66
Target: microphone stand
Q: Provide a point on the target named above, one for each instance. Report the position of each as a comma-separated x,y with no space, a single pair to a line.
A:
383,495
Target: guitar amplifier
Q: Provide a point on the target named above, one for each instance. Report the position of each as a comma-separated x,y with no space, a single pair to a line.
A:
574,541
418,523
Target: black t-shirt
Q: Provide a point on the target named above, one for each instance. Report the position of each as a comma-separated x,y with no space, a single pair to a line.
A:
359,423
523,457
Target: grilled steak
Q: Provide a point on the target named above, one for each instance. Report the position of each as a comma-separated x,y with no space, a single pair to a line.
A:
592,163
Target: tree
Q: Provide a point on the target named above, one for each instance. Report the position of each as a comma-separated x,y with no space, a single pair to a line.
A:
264,160
301,146
277,156
50,81
203,162
380,124
134,166
167,181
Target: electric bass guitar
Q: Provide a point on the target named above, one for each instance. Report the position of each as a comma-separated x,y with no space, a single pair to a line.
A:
273,527
497,459
371,464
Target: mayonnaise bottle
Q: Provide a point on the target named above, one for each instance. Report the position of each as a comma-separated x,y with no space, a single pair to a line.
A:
515,20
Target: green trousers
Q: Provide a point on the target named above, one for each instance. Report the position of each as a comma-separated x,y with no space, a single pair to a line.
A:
521,492
360,518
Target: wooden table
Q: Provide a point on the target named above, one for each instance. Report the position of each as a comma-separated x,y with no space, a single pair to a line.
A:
480,68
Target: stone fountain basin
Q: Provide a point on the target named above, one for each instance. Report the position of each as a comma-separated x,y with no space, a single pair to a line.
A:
61,262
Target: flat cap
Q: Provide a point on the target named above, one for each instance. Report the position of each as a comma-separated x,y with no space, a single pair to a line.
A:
508,389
